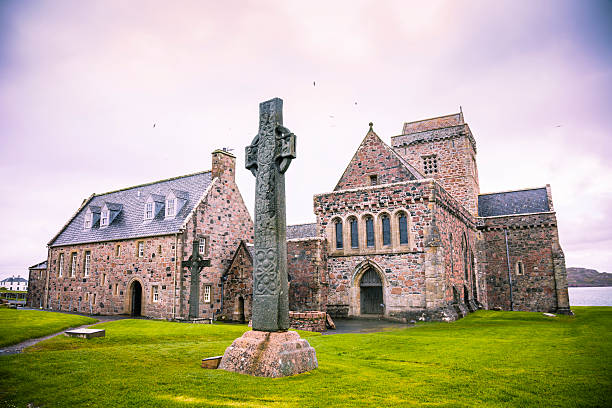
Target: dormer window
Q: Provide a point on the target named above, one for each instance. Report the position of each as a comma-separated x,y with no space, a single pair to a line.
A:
149,211
171,207
104,218
109,212
92,217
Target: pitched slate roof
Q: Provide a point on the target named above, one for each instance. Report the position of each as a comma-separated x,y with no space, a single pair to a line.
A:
301,231
513,202
129,223
40,265
14,279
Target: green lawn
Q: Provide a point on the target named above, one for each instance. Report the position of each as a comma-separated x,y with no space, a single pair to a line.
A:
487,359
19,325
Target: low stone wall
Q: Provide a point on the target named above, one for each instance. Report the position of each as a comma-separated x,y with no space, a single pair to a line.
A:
310,321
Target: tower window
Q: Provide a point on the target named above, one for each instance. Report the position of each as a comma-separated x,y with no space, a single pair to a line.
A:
430,164
373,180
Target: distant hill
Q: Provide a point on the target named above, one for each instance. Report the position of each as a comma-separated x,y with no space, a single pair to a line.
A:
588,277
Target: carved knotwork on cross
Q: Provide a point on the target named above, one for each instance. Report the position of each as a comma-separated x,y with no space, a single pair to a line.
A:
268,158
195,265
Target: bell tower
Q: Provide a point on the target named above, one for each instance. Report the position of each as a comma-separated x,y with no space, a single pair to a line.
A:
443,148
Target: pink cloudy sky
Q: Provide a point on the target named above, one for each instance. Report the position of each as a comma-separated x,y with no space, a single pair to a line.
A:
83,82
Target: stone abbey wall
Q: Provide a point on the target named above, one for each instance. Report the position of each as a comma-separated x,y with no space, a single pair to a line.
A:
115,266
539,283
36,287
238,284
307,269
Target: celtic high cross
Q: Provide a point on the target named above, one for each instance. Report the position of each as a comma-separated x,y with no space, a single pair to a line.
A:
268,157
195,265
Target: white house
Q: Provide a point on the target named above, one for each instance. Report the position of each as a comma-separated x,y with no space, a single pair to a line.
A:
14,283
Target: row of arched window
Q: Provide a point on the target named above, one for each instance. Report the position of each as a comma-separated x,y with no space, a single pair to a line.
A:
385,228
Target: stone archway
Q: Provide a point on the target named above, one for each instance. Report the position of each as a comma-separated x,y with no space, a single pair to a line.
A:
135,298
371,293
368,295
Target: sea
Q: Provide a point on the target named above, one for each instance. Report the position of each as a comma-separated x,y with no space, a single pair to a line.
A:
592,296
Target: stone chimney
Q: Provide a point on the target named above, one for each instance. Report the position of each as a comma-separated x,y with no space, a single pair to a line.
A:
223,163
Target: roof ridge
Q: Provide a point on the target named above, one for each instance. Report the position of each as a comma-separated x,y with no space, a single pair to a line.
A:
304,223
513,191
153,182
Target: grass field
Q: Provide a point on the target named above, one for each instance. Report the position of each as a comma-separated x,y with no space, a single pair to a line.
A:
19,325
487,359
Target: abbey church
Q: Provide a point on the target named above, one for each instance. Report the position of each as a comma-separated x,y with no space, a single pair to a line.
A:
405,234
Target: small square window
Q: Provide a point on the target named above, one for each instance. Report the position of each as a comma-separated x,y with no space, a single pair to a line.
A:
430,164
155,293
373,180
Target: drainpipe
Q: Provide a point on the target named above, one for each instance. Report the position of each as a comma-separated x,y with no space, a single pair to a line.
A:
509,271
174,279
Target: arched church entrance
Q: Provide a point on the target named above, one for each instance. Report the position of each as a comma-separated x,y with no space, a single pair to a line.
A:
371,293
136,299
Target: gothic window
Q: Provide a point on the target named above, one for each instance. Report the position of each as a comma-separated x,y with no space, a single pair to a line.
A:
369,231
338,231
354,233
403,228
430,164
519,268
386,230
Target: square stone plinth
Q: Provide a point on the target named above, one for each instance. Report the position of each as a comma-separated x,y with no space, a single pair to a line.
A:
86,333
269,354
211,363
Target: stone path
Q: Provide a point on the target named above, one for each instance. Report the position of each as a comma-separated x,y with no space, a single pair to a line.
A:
18,348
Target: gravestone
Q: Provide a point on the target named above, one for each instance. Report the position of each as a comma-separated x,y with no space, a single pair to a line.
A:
269,350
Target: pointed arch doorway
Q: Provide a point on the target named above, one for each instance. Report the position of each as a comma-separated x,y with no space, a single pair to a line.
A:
136,299
371,293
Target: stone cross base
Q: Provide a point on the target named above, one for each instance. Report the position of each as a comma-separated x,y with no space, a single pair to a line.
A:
269,354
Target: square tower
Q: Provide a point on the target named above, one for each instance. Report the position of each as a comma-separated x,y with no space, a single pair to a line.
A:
443,148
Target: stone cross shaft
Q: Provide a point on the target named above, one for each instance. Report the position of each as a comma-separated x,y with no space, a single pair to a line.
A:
195,265
268,158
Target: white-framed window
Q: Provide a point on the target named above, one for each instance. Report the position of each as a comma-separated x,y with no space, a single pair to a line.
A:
140,249
170,207
202,246
87,262
88,220
148,211
61,265
207,290
104,218
73,265
155,293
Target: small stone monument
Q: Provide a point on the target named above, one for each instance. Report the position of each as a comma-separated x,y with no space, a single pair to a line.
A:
269,350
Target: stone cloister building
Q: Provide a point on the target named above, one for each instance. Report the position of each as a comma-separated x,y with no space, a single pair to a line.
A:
405,234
